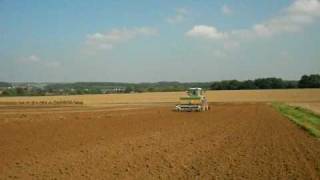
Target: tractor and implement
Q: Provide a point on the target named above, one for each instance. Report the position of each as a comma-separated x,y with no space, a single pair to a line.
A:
194,101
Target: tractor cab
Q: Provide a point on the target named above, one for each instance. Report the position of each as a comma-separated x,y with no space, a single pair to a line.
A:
195,92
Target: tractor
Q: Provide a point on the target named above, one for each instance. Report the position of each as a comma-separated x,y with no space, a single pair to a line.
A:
195,101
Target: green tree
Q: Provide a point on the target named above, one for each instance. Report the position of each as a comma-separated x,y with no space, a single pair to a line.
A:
269,83
249,84
311,81
20,91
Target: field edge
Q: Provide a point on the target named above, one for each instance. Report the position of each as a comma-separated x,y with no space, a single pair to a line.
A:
304,118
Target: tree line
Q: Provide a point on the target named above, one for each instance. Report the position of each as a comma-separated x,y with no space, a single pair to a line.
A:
8,89
306,81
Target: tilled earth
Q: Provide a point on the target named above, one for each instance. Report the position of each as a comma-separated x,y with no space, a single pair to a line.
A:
231,141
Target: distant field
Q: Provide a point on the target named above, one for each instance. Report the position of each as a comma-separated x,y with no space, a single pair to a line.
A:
313,106
290,96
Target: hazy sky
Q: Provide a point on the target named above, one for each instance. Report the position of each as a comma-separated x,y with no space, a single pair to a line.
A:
158,40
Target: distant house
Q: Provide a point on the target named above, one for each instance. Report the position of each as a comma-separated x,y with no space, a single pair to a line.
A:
113,90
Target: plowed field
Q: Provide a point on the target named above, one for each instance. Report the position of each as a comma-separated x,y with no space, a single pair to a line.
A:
231,141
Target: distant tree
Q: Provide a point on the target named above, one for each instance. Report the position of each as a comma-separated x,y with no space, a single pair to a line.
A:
291,84
226,85
128,89
216,86
79,91
249,84
6,93
151,89
269,83
233,84
277,83
38,92
261,83
311,81
20,91
9,92
5,84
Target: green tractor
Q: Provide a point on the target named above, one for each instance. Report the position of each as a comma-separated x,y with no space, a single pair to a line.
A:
195,101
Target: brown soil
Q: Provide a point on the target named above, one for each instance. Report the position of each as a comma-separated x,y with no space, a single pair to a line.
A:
231,141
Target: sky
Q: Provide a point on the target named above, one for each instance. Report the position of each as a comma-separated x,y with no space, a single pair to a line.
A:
153,40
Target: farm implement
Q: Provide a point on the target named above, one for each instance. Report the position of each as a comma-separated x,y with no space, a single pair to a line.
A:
194,101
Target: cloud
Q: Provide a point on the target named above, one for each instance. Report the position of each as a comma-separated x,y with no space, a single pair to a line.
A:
107,40
292,19
36,60
52,64
226,10
207,32
31,59
179,17
219,53
306,7
231,44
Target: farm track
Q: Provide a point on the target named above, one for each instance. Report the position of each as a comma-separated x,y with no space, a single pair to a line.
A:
232,141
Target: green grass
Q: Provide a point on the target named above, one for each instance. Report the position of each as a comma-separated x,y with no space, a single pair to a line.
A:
307,119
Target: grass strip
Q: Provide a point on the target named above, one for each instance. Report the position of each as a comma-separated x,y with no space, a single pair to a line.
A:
305,118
